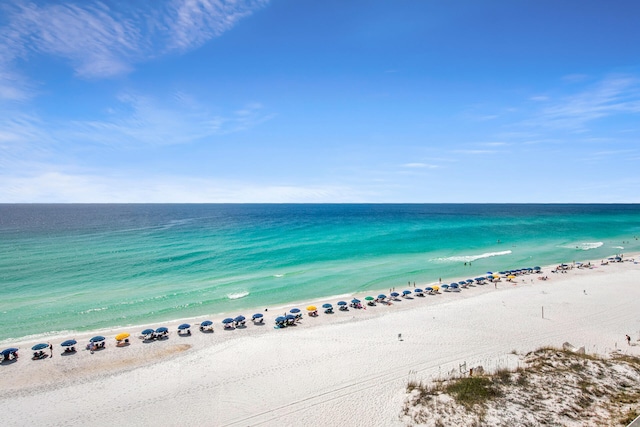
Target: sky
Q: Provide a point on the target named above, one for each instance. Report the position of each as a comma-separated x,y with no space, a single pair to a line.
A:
360,101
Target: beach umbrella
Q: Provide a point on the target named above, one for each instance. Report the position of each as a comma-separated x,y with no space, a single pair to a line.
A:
395,294
369,298
355,301
40,346
445,286
97,338
311,308
462,282
382,296
489,273
227,320
327,305
406,292
511,276
290,317
280,319
342,303
536,268
469,280
436,288
428,289
184,326
122,336
8,351
239,319
148,332
69,343
257,316
206,323
418,291
162,330
294,310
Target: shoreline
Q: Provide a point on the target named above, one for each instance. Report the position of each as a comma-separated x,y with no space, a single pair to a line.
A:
59,336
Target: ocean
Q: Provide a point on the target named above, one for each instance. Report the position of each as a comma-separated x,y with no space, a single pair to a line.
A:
80,267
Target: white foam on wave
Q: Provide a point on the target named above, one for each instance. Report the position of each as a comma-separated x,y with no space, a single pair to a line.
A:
237,295
278,275
583,246
617,247
471,258
94,309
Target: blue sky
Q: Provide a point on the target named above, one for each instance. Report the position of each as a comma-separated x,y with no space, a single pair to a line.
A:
320,101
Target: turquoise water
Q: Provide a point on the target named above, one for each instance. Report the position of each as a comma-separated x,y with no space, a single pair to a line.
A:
85,267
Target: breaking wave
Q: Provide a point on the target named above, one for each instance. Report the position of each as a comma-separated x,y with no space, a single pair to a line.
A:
237,295
471,258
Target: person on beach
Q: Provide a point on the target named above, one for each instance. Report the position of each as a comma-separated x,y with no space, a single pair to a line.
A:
628,340
51,349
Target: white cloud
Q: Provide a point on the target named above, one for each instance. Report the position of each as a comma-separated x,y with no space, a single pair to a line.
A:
613,95
54,186
145,120
103,39
419,166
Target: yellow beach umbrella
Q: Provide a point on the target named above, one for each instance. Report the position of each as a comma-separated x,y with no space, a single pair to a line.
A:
511,277
436,288
122,336
312,308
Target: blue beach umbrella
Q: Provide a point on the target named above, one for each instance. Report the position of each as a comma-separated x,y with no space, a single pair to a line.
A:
469,280
462,282
8,351
97,338
395,294
418,291
290,317
184,326
355,301
239,318
294,310
162,330
148,332
428,289
406,292
257,316
40,346
382,296
342,303
69,343
206,323
227,320
327,305
445,286
280,319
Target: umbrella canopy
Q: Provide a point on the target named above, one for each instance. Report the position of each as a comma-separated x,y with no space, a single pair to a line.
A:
239,318
290,317
162,330
327,305
69,343
312,308
454,286
418,291
227,320
382,296
184,326
369,298
406,292
511,276
342,303
40,346
257,315
394,294
355,301
294,310
462,282
428,289
206,323
122,336
280,319
445,286
97,338
436,288
8,351
469,280
148,332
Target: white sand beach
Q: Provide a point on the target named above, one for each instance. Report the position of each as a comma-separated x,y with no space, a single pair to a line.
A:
347,368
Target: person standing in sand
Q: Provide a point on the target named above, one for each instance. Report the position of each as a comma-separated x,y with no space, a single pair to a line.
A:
628,339
51,349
